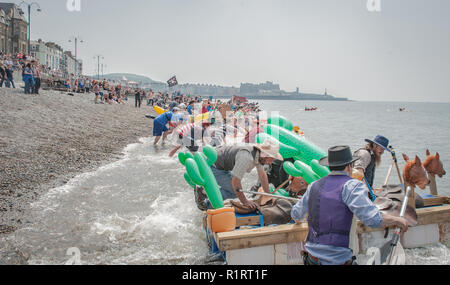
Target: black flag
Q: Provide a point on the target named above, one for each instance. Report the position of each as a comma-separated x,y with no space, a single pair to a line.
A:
172,81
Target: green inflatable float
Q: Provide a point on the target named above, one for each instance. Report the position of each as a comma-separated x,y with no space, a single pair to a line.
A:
307,160
299,169
281,122
199,173
308,151
280,192
320,170
285,150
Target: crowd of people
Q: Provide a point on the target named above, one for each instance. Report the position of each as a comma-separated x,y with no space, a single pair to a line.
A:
8,65
28,66
195,119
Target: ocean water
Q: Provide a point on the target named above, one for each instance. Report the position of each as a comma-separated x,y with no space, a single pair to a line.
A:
139,209
423,126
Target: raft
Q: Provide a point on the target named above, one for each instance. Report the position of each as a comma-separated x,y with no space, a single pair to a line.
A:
253,244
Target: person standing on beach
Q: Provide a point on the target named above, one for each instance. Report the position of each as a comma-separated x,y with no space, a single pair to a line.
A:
137,99
9,75
37,78
28,78
97,92
143,97
2,74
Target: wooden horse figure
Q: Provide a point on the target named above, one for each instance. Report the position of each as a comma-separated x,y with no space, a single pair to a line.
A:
414,175
434,166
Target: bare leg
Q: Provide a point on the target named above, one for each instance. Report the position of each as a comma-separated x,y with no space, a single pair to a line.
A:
157,140
165,136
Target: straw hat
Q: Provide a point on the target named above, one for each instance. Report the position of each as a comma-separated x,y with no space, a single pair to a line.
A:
270,149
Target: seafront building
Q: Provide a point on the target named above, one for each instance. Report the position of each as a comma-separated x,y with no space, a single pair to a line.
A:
56,59
13,29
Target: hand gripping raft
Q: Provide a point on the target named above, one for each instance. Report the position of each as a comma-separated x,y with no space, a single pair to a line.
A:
199,173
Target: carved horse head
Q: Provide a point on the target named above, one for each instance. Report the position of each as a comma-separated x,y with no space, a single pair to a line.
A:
414,173
433,165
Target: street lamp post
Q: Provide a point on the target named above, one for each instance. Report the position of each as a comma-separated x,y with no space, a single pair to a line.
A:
103,67
29,5
76,39
98,64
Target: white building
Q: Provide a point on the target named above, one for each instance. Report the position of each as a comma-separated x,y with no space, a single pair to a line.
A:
55,58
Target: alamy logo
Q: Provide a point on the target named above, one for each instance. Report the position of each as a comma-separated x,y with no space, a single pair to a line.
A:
75,256
374,5
73,5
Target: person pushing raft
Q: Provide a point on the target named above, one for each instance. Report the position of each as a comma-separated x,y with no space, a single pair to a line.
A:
370,159
233,162
188,135
173,118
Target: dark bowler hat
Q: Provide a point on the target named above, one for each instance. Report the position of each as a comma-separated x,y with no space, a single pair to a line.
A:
338,156
381,141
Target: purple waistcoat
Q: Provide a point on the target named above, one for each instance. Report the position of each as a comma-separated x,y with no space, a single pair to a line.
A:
330,220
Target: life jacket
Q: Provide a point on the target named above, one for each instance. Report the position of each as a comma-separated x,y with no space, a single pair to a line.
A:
330,219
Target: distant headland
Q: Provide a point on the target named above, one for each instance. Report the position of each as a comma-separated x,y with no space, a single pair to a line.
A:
262,91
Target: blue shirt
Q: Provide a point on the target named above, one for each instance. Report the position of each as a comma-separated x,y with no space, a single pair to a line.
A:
164,118
355,195
189,109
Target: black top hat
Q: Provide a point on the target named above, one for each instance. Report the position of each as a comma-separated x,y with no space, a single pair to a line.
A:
381,141
338,156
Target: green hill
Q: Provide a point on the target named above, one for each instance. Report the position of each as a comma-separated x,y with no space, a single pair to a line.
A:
130,77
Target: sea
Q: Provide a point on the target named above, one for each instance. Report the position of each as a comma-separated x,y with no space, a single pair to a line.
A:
139,209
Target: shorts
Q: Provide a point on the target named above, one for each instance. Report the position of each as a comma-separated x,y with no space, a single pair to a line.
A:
159,129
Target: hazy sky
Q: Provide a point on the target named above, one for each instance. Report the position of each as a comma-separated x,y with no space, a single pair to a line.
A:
401,53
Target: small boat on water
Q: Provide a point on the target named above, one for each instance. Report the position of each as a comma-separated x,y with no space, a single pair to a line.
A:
252,243
311,109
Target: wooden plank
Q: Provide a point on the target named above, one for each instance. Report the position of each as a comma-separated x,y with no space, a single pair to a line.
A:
250,238
425,216
434,215
248,221
436,201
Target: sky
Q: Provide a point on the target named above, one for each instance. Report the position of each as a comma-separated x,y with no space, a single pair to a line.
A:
400,52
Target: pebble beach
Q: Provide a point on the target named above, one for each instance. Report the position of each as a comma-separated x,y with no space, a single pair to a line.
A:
47,139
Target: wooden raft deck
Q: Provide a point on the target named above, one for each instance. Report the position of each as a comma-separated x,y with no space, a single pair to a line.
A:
437,213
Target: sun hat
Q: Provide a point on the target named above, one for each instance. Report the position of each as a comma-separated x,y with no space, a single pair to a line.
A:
270,149
381,141
338,156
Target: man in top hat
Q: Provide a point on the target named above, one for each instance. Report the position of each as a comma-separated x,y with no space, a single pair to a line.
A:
370,158
233,162
331,204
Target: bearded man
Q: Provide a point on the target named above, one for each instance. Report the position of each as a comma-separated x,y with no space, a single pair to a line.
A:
370,158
